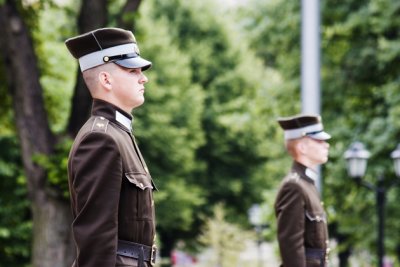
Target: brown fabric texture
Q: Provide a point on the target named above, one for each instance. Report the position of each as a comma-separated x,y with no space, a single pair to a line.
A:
298,121
98,40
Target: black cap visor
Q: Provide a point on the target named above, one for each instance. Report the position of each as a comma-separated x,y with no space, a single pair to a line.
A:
134,63
320,135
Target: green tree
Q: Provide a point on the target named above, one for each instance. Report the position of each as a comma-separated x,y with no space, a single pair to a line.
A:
169,129
51,239
15,226
232,82
224,239
360,41
237,104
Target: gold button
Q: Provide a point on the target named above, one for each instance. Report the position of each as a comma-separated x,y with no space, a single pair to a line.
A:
141,185
101,118
146,169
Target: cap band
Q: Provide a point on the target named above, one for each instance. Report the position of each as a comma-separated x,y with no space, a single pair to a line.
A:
300,132
96,58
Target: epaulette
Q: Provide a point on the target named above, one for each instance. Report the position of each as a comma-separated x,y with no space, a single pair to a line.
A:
293,176
100,124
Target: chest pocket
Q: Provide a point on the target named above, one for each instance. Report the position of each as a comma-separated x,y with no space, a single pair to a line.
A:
316,233
316,216
140,180
137,197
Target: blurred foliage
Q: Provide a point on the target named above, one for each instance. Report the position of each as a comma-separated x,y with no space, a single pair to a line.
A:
15,217
224,240
231,81
56,167
168,129
57,79
361,81
199,128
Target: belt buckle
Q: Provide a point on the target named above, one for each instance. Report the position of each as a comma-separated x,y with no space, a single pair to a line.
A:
153,255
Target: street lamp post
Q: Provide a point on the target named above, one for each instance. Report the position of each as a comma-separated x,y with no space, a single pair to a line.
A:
255,218
357,157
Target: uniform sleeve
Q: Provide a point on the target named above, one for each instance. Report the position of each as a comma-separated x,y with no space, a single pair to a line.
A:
289,208
96,172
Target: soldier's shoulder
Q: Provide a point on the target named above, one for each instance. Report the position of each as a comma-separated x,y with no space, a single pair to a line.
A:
292,177
99,124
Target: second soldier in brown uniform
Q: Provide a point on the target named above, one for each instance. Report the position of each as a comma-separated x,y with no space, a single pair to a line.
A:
301,219
110,185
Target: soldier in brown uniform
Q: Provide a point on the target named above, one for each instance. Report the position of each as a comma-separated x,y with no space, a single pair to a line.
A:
110,184
301,220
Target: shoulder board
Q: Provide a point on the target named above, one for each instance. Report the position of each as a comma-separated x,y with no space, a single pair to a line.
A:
293,176
100,124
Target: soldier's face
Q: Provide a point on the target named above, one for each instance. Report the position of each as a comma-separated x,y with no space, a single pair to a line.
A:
317,150
128,87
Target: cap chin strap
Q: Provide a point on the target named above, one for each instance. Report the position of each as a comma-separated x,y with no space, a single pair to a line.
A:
107,59
97,58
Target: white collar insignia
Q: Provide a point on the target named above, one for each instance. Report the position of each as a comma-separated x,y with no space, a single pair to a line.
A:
121,118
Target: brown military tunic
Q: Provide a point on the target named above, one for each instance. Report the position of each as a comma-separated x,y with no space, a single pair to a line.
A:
301,221
111,188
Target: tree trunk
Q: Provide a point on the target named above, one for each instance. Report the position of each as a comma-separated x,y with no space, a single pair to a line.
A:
52,245
398,252
126,19
345,252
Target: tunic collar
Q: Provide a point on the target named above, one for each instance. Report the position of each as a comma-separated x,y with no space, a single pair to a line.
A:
112,113
303,171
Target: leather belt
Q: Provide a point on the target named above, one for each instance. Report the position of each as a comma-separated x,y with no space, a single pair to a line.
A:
137,251
318,254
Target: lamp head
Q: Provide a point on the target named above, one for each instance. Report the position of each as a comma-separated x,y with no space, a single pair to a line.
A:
356,157
395,155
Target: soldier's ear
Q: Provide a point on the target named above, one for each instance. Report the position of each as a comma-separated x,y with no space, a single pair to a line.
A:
302,146
105,79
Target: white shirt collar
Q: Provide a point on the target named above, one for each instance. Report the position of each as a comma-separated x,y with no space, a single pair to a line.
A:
311,174
124,120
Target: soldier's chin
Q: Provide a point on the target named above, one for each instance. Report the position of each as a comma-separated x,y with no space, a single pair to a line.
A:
139,102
